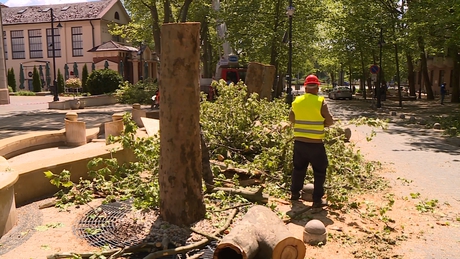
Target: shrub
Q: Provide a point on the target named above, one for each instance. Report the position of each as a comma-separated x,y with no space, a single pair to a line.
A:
103,81
74,84
141,92
12,79
60,82
84,79
36,82
25,93
10,89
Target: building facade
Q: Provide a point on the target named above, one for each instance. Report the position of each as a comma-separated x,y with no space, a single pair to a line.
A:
81,30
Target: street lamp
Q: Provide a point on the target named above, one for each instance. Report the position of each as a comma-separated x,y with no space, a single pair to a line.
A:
55,86
290,13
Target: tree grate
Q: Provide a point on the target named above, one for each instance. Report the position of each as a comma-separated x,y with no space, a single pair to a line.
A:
98,227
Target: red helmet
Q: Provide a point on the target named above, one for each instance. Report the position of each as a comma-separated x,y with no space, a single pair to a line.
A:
311,79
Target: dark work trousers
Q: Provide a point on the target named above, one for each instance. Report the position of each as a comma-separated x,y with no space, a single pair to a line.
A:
305,154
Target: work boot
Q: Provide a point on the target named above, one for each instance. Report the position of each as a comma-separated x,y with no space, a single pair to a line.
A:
322,203
295,196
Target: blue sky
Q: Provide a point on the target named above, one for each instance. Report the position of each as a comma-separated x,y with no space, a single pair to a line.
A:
13,3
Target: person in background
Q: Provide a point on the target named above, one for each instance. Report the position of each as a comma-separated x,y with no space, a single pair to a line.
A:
443,92
309,115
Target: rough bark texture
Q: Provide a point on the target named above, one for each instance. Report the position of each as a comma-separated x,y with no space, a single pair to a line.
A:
180,176
411,75
260,78
260,235
426,77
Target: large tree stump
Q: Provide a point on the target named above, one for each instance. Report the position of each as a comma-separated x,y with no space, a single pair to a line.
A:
260,78
180,176
268,81
260,235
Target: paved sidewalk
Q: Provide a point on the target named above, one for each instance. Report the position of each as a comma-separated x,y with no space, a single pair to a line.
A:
27,114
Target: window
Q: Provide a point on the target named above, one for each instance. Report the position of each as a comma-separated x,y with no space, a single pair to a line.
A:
57,42
35,43
117,16
77,42
17,45
5,45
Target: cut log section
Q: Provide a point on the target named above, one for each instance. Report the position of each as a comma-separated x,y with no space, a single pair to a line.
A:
260,235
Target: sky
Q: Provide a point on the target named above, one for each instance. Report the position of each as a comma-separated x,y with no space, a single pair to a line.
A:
13,3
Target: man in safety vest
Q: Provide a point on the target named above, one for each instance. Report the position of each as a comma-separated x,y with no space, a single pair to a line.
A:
309,115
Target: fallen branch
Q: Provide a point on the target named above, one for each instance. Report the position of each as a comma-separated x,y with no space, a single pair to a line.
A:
208,236
252,196
196,256
199,244
113,253
234,207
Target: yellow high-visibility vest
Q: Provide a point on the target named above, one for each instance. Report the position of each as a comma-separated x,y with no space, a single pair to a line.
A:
309,123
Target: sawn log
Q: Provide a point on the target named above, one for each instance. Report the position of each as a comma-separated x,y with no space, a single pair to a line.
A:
260,235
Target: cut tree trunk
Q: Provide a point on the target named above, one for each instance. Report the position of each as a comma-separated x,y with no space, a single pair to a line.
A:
180,175
260,78
260,235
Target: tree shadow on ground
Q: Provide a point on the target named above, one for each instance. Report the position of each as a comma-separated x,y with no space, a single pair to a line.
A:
423,112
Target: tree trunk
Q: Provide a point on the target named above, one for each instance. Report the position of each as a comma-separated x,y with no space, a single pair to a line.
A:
427,79
398,78
260,235
362,85
180,176
259,79
207,50
411,75
453,53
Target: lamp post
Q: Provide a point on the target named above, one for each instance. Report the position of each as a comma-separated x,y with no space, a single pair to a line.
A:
56,96
289,97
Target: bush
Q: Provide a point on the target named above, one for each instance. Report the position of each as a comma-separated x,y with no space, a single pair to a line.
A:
84,78
10,89
60,82
141,92
36,82
25,93
12,79
103,81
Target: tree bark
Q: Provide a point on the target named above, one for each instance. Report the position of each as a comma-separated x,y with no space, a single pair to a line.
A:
180,176
259,79
411,75
455,84
427,79
260,235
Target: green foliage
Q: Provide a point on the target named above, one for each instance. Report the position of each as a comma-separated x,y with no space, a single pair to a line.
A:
12,79
103,81
60,82
141,92
426,205
25,93
10,89
84,78
448,123
36,83
253,133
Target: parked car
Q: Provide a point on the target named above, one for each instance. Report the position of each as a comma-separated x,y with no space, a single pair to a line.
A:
341,92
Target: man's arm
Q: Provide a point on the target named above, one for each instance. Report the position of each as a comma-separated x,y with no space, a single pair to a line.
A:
292,117
328,120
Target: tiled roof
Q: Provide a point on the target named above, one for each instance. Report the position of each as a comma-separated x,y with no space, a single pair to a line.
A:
111,46
62,12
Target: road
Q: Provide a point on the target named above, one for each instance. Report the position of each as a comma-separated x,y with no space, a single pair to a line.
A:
430,164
